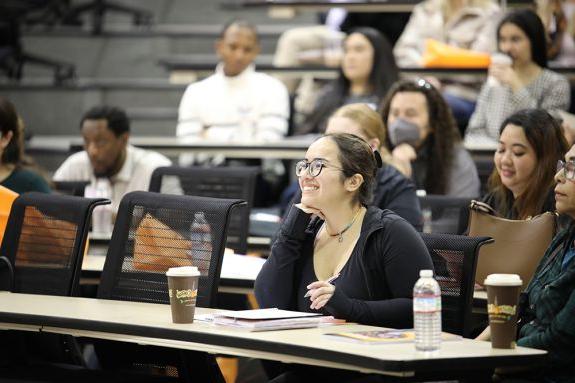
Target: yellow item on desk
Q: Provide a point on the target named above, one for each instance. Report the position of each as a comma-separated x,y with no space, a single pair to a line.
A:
440,55
7,198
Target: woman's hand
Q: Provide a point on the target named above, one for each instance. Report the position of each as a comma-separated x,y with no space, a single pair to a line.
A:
506,75
310,210
320,292
403,155
485,334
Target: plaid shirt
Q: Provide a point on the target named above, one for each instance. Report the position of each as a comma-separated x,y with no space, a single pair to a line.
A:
551,310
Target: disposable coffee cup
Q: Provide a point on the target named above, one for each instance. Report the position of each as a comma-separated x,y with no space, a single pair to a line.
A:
502,297
183,291
498,59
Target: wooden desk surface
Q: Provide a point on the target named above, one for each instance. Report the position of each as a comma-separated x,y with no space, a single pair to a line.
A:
147,323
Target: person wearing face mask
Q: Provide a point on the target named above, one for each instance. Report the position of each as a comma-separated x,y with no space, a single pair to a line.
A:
526,83
521,185
422,135
367,72
338,255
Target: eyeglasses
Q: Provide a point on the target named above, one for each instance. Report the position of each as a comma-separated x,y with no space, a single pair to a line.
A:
568,169
313,168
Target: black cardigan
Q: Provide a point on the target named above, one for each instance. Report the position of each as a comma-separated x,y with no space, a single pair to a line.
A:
380,273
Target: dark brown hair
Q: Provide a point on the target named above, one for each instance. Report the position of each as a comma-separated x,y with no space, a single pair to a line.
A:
10,122
544,135
442,138
357,157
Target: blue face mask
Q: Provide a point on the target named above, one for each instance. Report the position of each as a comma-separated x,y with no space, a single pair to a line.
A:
401,131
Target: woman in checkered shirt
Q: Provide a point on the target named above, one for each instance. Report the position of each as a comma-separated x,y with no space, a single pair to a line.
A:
526,83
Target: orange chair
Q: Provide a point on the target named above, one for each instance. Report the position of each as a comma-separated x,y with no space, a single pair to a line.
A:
7,197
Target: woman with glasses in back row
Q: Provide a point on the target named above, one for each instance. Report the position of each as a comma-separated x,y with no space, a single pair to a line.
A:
548,304
338,255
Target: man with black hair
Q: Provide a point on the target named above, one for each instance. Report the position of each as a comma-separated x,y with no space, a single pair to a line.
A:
236,102
108,155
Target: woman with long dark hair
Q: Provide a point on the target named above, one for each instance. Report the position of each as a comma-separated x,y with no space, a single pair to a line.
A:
530,144
14,172
367,72
422,136
526,83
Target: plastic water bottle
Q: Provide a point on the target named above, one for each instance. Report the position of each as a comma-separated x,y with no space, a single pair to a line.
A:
427,312
201,238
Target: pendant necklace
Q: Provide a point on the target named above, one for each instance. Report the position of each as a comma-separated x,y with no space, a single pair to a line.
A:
346,228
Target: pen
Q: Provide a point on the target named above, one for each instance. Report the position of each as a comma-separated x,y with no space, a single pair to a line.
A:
329,280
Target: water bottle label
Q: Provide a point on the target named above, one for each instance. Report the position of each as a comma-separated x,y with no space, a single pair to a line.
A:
427,304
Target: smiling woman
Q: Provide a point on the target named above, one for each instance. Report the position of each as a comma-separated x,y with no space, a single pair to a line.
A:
530,144
337,255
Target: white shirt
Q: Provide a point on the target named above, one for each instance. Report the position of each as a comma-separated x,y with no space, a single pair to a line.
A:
249,106
134,175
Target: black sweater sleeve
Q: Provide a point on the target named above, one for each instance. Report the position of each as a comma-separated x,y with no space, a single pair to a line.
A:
394,260
275,284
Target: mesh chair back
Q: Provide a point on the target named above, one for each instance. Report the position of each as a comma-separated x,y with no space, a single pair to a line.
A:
45,241
217,182
445,214
156,231
455,259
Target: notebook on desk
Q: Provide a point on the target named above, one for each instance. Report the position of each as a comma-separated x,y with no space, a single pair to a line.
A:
267,319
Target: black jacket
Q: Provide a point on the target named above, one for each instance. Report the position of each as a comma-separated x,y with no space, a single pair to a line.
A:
382,269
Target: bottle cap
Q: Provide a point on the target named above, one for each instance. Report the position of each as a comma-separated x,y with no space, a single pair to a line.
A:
426,273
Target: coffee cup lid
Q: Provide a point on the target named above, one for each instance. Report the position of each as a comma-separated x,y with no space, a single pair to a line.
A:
183,271
503,280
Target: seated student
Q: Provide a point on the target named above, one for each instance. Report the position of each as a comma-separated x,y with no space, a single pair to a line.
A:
530,144
546,315
526,83
107,155
374,254
424,140
393,190
367,71
15,173
235,103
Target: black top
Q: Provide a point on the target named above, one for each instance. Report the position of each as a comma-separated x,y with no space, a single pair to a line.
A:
22,181
375,285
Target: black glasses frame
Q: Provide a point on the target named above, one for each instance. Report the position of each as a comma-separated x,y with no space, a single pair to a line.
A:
568,168
311,167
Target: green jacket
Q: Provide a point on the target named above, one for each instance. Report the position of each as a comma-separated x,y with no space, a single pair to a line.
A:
550,311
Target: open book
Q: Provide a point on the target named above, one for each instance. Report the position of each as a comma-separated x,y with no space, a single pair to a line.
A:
382,336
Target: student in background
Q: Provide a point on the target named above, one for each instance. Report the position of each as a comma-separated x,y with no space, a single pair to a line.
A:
236,103
374,255
526,83
546,311
367,72
15,168
521,185
108,158
424,139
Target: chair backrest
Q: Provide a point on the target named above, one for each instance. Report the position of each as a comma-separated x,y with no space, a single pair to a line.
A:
455,259
156,231
215,182
45,241
445,214
71,187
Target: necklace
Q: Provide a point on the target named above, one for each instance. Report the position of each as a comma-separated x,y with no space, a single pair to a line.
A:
346,228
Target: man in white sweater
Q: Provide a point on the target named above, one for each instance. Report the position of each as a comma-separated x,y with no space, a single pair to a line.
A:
236,103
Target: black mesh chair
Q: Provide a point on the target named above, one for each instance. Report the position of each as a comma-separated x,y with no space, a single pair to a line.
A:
218,182
445,214
455,259
43,249
44,243
152,233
